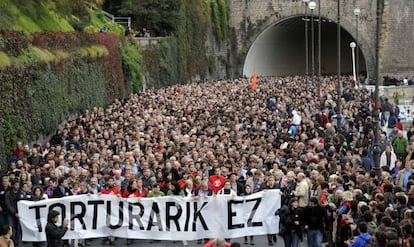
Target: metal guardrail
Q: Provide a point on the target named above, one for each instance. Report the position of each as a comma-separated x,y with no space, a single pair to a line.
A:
118,19
147,41
114,19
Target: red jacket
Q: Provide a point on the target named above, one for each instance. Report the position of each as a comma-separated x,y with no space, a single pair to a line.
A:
113,190
138,193
210,244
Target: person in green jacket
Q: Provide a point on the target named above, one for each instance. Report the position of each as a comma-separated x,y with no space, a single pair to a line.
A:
400,144
156,192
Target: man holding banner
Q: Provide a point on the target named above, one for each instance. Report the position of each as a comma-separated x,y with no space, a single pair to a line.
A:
159,218
55,233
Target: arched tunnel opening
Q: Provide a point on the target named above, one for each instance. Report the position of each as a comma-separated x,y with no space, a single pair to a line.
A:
280,49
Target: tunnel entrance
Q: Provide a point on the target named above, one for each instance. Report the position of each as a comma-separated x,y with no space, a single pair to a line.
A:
280,49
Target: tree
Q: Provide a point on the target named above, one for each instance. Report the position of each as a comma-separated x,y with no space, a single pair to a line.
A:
159,16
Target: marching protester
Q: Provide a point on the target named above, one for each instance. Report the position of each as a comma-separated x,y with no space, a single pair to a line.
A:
54,233
110,189
223,137
293,223
11,198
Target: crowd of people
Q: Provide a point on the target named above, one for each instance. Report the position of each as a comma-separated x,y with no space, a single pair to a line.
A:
222,137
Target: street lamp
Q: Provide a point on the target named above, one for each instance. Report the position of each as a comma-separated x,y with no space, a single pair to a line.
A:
376,147
338,86
312,6
357,12
319,48
353,45
306,38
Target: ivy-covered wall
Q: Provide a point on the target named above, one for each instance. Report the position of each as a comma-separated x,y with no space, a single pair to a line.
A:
69,73
183,56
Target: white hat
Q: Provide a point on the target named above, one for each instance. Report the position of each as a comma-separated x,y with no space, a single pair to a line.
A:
284,145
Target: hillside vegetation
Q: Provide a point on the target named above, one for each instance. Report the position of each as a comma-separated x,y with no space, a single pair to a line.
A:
53,15
31,16
54,63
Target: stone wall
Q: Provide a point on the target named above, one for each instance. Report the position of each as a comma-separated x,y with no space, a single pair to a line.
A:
249,18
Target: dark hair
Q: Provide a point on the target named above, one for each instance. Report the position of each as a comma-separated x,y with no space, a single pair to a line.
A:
381,238
37,187
380,207
51,215
177,188
379,216
314,200
367,216
386,221
393,243
363,227
14,181
61,180
394,214
364,208
292,200
406,229
401,199
235,244
4,229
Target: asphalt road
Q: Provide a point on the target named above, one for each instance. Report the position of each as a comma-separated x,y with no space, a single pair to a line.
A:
259,241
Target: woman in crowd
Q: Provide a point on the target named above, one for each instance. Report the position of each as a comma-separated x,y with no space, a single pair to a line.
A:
248,191
293,223
6,234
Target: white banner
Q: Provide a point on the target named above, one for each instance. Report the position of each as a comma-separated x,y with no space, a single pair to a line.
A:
162,218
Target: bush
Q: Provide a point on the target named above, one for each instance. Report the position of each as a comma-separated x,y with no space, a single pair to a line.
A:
13,43
4,60
68,41
131,65
112,64
47,82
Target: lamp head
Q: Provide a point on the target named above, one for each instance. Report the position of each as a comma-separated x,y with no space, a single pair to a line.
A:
357,12
352,44
312,5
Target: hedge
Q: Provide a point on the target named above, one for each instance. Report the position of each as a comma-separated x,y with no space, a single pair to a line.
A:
66,73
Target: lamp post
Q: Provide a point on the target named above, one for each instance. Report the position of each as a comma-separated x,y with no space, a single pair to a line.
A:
306,39
319,48
312,6
357,12
353,45
376,147
338,86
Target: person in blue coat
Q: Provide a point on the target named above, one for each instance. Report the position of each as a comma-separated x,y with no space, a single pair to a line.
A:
363,238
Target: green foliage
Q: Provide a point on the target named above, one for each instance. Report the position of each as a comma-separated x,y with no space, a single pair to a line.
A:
220,19
77,8
113,66
61,54
30,16
160,16
13,43
44,84
99,20
35,55
131,65
40,55
93,51
77,86
182,56
36,98
4,60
